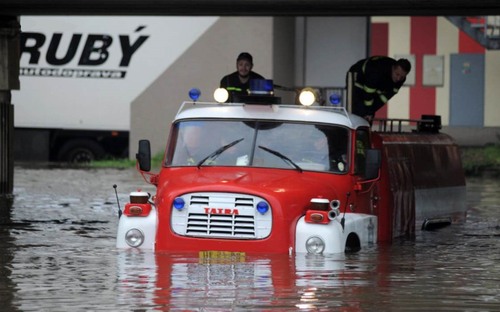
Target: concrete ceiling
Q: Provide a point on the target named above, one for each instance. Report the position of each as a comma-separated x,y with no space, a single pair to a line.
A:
252,7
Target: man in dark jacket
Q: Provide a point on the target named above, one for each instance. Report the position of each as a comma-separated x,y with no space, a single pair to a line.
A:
376,80
239,81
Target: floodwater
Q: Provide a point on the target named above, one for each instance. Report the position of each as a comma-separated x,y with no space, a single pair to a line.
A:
58,254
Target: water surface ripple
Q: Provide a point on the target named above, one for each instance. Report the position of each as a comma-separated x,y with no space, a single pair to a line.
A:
58,254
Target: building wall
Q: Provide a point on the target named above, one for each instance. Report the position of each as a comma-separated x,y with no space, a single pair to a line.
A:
419,36
326,47
492,91
283,55
202,65
446,45
398,27
314,51
298,51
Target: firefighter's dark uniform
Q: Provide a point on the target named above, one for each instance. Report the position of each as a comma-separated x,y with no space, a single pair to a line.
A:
373,85
234,86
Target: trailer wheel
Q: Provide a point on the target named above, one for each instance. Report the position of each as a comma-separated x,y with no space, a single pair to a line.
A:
80,151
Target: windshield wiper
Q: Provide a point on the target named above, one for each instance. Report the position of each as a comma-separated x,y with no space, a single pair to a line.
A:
219,151
286,159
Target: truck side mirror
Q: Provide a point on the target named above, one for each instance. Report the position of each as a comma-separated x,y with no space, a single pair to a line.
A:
144,155
373,162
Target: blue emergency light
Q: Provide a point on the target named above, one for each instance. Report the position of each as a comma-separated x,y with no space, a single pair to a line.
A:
335,99
262,207
194,94
261,86
179,203
261,92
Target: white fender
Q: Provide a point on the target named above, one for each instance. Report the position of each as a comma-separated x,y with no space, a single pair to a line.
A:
147,225
332,234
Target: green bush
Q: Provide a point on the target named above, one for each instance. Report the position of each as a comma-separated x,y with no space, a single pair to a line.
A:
476,160
156,161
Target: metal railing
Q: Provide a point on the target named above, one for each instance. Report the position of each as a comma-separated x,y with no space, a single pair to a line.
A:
428,123
484,29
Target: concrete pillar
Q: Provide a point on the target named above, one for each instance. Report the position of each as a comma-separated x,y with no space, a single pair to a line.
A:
9,80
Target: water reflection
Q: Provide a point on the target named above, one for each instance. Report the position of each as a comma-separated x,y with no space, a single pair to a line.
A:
57,254
7,286
257,282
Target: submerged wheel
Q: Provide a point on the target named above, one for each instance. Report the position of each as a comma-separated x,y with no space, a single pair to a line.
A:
80,151
352,243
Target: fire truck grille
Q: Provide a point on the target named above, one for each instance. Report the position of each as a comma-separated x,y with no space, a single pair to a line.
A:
225,225
221,215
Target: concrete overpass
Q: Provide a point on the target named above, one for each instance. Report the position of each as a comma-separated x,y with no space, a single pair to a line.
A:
11,9
251,7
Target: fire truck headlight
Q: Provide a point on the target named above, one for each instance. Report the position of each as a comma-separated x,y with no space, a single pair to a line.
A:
262,207
221,95
179,203
307,97
134,237
315,245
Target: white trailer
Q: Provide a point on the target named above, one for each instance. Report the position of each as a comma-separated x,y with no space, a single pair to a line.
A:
79,75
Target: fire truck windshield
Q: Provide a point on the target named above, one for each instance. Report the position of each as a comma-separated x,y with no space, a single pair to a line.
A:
295,146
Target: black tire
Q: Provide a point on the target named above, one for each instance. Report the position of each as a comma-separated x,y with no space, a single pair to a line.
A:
80,151
353,244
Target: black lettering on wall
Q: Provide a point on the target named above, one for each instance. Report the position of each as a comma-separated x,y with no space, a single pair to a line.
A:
32,50
95,51
128,50
54,46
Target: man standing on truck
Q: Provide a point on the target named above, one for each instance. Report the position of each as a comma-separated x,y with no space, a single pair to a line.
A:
374,81
239,81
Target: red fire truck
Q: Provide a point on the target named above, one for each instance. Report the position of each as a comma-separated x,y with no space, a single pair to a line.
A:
263,177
